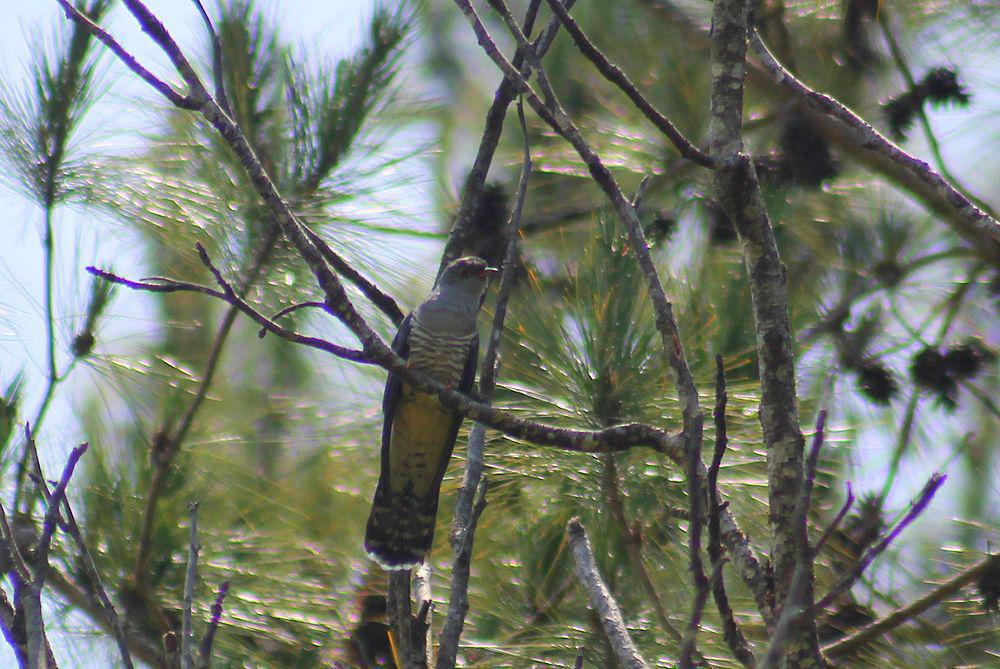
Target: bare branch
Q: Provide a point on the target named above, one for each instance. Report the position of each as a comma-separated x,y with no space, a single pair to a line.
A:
13,556
67,522
493,126
730,630
190,579
163,285
181,101
461,538
695,524
977,225
916,508
832,527
613,73
375,295
607,609
205,648
900,616
217,72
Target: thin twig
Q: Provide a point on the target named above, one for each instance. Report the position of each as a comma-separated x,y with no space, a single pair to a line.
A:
492,129
178,100
28,595
916,508
375,295
458,602
695,524
41,552
832,527
292,308
858,639
613,73
67,522
205,648
731,631
14,551
268,325
190,580
607,609
217,71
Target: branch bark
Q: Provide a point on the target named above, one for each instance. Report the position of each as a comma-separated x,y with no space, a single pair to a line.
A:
607,609
739,194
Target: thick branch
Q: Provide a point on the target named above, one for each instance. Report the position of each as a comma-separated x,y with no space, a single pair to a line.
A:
739,194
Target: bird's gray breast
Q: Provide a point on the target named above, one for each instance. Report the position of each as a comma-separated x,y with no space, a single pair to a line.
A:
439,353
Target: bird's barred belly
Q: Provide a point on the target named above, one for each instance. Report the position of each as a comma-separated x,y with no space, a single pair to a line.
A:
421,427
419,443
441,356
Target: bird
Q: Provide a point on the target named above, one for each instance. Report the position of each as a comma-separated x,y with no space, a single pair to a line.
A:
438,338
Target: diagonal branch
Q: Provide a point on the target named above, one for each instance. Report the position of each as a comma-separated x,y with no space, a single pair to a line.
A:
904,614
607,609
977,226
178,100
473,190
613,73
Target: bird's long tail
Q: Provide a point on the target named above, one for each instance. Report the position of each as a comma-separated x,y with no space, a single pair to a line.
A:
400,529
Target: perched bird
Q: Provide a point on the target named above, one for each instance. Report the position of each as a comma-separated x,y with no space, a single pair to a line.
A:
418,433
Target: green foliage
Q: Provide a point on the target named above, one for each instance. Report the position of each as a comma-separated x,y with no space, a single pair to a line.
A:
36,125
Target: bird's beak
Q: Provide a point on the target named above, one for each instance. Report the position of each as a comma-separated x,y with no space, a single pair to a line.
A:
491,271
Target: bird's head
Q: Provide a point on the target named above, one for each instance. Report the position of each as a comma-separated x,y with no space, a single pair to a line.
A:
466,275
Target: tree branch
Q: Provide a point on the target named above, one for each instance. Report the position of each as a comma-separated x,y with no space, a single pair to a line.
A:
461,538
863,636
749,568
607,609
731,632
504,95
613,73
977,226
695,524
